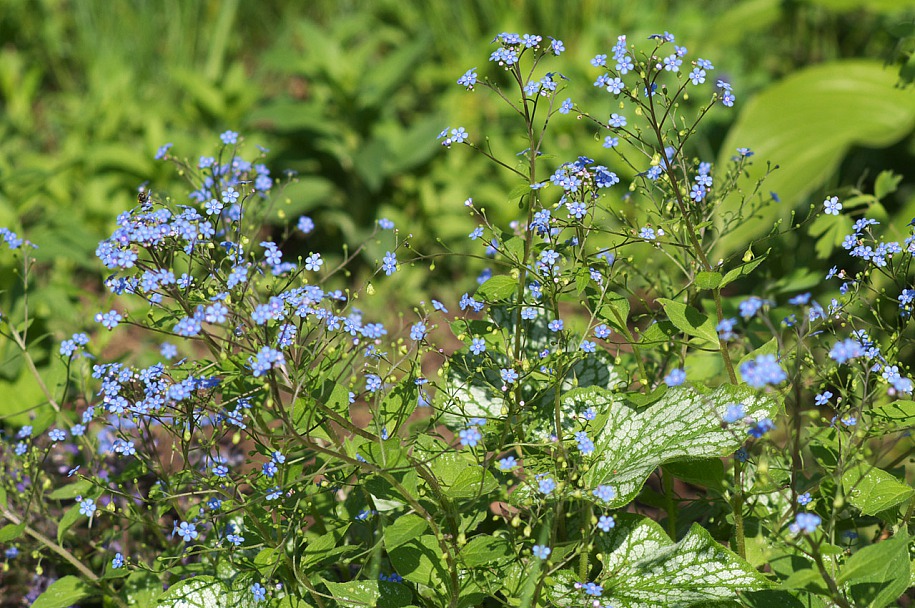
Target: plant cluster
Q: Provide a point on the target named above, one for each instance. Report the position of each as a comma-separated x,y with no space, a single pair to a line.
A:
609,419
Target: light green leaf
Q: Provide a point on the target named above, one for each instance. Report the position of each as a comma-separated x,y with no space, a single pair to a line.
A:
63,592
472,481
872,490
11,532
878,574
708,280
498,288
899,415
811,119
72,490
682,425
403,529
689,320
69,518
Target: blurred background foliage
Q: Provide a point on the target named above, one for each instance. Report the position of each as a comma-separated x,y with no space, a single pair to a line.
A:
351,95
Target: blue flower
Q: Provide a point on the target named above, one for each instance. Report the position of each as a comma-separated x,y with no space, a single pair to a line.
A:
566,106
605,493
508,463
733,413
675,377
556,325
229,137
545,484
761,428
617,121
725,329
118,561
314,262
761,371
87,507
163,151
751,306
509,376
846,350
832,206
418,331
258,592
605,523
389,264
804,499
477,346
823,398
805,523
469,79
470,436
541,551
585,445
305,224
109,319
187,531
372,383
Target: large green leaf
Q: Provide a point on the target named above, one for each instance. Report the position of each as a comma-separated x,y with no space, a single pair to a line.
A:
682,425
806,124
877,575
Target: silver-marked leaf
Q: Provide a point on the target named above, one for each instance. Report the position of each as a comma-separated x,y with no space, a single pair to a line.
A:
643,568
682,425
204,592
383,594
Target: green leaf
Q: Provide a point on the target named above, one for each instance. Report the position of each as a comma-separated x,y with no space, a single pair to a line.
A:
472,481
779,598
486,549
887,182
743,270
615,310
806,124
420,560
899,415
398,404
81,487
659,332
682,425
689,320
878,574
404,529
382,594
708,472
708,280
11,532
498,288
320,550
64,592
69,518
872,490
